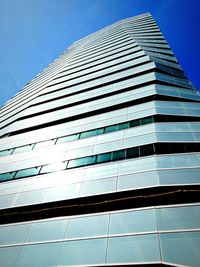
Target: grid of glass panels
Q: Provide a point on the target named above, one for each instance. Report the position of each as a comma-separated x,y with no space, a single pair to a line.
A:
98,131
121,237
123,154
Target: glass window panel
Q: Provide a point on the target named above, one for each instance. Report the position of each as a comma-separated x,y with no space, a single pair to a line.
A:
146,120
120,154
98,186
105,157
122,126
45,143
68,138
100,131
161,148
30,197
5,152
132,152
138,180
111,128
101,171
23,149
180,160
6,176
133,221
9,255
13,234
27,172
135,123
7,201
87,226
83,252
47,230
183,176
53,167
177,148
142,248
63,192
195,147
76,163
146,150
91,160
181,248
178,218
44,255
88,134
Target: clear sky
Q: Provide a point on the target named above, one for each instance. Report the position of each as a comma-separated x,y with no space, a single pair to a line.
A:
34,32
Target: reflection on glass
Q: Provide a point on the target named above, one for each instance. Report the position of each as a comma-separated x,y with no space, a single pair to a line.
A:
120,154
9,255
178,218
133,222
111,128
91,160
5,152
23,149
27,172
13,234
87,226
63,192
181,248
53,167
68,138
76,163
99,131
44,143
98,186
88,134
47,230
105,157
7,176
122,126
83,252
77,136
142,248
135,123
146,120
44,255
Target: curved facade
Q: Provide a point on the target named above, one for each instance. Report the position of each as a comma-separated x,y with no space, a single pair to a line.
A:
100,157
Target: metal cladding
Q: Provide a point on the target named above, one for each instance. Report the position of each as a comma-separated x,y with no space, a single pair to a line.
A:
100,157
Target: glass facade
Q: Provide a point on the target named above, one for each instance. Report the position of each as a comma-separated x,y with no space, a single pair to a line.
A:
100,157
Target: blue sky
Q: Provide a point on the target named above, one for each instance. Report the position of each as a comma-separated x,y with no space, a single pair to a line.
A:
34,32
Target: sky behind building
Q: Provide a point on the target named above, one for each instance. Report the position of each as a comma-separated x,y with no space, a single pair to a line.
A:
34,33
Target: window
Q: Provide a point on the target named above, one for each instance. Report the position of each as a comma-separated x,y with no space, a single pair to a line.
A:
91,160
88,134
146,120
124,125
132,152
23,149
7,176
27,172
53,167
105,157
68,138
111,128
146,150
135,123
76,163
120,154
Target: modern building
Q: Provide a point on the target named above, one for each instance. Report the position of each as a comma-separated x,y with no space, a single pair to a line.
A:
100,157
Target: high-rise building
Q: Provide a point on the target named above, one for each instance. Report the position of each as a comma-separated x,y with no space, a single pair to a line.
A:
99,157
